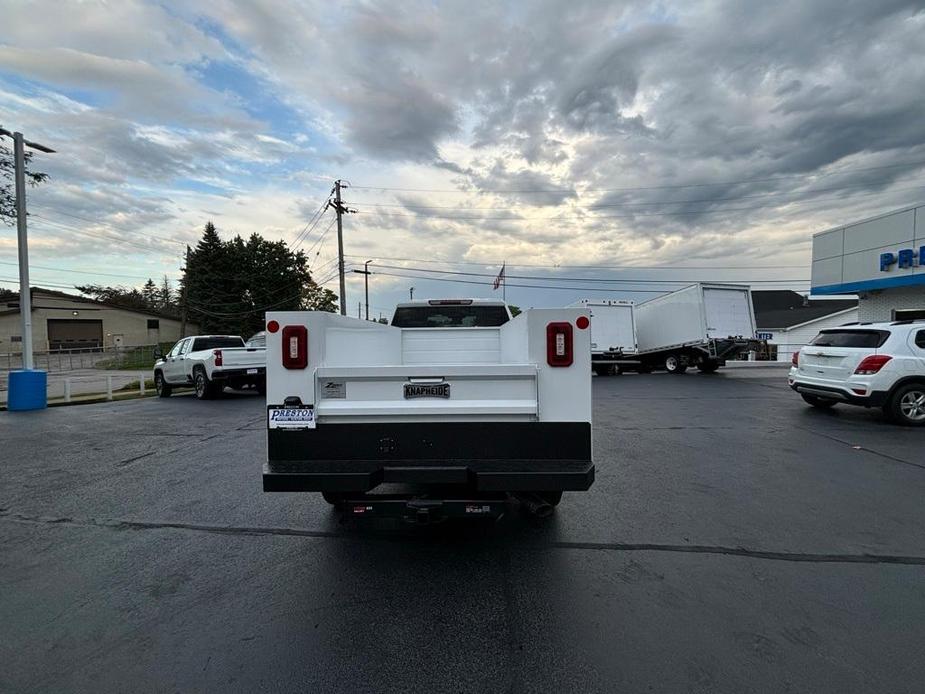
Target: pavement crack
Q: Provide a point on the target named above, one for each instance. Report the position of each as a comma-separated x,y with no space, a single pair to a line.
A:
817,558
243,530
885,456
123,463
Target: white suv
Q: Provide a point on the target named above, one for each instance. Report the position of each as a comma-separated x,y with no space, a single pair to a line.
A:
867,364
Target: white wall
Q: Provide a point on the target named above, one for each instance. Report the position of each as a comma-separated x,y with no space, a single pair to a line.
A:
878,306
789,341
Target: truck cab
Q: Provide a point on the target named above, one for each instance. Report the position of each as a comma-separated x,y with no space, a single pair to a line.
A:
457,400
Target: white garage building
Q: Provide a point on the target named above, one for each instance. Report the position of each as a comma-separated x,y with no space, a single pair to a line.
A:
881,260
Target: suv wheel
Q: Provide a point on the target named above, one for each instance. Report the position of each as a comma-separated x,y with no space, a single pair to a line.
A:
816,401
907,406
161,386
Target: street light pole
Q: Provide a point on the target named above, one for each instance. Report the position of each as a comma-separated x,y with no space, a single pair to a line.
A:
411,290
365,271
27,388
25,292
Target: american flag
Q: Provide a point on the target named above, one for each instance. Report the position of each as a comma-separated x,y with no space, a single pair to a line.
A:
499,279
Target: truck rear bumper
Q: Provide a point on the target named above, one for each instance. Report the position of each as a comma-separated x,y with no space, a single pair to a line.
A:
482,456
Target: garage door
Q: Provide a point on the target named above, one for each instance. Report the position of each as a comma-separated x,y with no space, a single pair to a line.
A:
74,334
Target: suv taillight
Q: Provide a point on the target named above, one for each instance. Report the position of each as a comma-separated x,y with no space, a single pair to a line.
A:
295,347
872,364
559,344
218,357
795,359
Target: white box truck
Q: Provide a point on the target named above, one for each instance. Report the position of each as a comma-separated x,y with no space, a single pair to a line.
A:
613,334
701,325
456,401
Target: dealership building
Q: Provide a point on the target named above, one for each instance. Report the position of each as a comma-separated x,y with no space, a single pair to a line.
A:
65,322
881,260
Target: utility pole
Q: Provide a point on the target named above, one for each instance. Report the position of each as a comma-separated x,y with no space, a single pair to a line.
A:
412,293
183,294
365,271
341,210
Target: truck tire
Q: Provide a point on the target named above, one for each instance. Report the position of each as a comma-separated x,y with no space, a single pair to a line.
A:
161,386
708,366
816,401
205,389
673,364
551,498
907,405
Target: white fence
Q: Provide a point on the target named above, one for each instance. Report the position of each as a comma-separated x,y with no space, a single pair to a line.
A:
64,360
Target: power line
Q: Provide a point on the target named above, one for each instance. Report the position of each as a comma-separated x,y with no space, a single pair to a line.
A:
594,267
84,272
105,237
636,204
624,290
582,279
680,213
665,187
105,225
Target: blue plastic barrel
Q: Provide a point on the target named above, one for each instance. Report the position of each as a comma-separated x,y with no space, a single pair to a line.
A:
28,390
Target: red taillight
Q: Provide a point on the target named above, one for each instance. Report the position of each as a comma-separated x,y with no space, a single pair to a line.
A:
872,364
218,357
295,346
795,359
559,344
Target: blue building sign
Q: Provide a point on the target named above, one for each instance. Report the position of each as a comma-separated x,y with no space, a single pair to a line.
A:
904,259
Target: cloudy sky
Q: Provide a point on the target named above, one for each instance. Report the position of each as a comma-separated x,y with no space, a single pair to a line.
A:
572,140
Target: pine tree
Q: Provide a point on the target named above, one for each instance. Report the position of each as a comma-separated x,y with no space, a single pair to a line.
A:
149,294
231,284
165,300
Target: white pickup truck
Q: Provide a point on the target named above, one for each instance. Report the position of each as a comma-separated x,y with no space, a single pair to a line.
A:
456,399
209,363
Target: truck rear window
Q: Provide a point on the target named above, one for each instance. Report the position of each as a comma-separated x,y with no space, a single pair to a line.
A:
216,343
851,338
450,316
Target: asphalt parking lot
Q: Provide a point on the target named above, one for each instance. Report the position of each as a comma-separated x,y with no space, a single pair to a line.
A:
735,541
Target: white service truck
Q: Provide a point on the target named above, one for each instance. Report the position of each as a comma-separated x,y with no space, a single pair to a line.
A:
209,363
700,325
613,334
455,401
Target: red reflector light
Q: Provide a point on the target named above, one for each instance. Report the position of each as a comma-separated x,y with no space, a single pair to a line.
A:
582,322
218,357
273,326
872,364
859,391
559,344
795,359
295,347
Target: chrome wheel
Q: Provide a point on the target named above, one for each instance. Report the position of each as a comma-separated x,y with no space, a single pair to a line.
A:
912,405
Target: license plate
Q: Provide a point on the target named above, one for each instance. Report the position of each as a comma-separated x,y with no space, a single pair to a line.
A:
291,417
427,390
251,371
